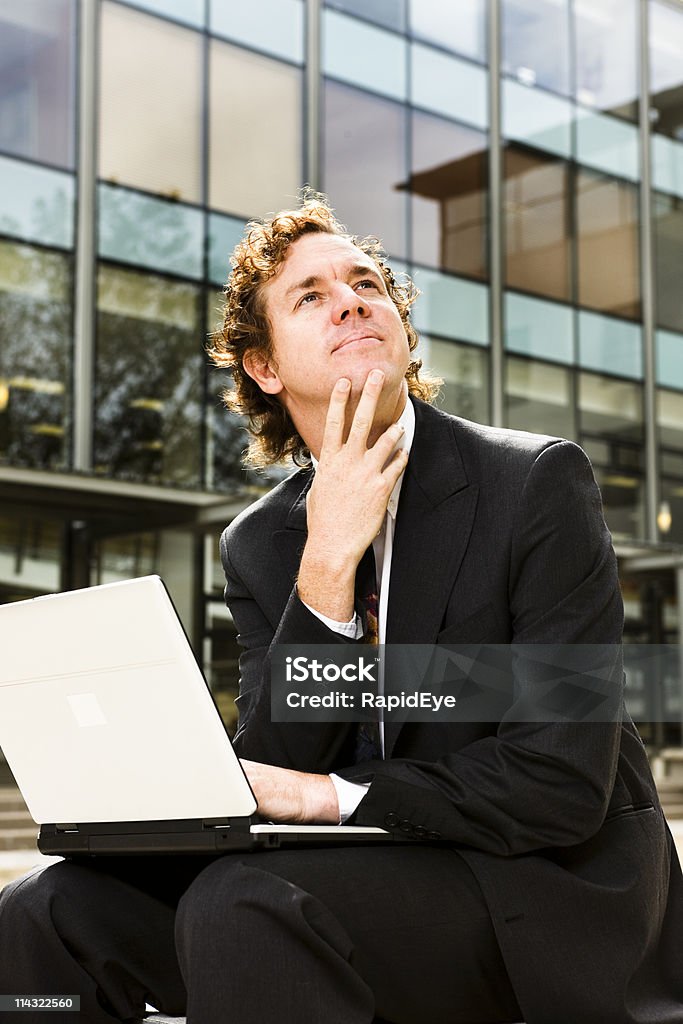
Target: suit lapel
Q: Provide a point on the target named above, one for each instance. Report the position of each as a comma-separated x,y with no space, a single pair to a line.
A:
290,541
433,526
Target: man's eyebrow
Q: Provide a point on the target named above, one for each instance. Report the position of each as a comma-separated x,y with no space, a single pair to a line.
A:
357,270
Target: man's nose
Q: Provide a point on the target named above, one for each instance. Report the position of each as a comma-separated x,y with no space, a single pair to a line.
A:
348,304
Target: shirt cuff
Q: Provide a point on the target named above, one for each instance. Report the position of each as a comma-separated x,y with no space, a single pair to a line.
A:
353,629
349,795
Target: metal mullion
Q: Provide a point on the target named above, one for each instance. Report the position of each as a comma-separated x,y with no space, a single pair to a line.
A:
312,160
495,219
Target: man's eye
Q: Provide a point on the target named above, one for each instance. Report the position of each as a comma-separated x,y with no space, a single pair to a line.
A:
305,299
366,284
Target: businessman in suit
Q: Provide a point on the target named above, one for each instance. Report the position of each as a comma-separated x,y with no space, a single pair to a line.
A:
537,879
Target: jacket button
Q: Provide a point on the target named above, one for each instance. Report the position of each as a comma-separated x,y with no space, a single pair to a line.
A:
434,835
419,831
406,826
391,820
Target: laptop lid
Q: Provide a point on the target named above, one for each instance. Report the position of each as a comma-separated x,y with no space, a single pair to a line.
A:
105,715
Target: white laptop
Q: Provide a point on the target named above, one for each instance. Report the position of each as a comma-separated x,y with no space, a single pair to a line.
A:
113,736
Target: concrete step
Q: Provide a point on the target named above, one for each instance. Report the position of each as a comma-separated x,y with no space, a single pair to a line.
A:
15,819
19,838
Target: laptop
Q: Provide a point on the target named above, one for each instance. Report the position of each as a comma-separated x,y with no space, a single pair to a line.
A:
113,736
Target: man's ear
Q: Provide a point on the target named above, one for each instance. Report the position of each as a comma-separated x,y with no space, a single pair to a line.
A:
262,371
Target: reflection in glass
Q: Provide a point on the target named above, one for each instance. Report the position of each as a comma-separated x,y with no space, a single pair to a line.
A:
276,26
254,156
36,204
606,48
150,99
148,379
189,11
390,13
535,43
666,96
37,80
610,345
364,163
464,371
451,306
363,55
667,234
448,85
669,349
150,232
534,327
35,357
538,397
670,430
537,118
449,190
611,431
607,144
457,26
536,206
224,234
607,218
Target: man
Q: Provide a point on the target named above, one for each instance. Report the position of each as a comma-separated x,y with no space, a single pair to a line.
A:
539,881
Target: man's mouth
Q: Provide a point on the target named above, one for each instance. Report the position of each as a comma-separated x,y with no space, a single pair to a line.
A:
355,339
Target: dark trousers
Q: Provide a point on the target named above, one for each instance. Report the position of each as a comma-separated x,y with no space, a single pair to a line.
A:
339,935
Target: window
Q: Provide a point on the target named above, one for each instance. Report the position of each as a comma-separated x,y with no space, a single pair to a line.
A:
148,380
539,398
150,103
255,144
35,357
37,80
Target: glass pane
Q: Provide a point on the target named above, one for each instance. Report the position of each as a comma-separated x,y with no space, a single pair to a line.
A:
448,86
669,359
36,329
464,371
667,164
37,80
667,231
150,232
451,307
613,346
536,207
364,163
607,217
537,328
30,557
36,204
535,42
606,49
457,26
666,69
449,189
252,171
224,234
276,26
537,118
607,144
611,419
189,11
391,13
364,55
150,103
148,379
538,397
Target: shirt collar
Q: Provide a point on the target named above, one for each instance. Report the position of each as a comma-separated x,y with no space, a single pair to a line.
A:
407,421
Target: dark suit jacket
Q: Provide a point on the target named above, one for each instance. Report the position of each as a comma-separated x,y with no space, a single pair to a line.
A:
499,539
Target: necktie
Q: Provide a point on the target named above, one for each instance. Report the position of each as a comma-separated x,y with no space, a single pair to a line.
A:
368,745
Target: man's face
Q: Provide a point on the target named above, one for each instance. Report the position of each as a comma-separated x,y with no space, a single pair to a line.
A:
331,316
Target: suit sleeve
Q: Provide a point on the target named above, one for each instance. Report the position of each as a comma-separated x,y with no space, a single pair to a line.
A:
532,784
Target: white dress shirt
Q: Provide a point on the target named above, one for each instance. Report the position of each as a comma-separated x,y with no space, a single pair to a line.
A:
350,794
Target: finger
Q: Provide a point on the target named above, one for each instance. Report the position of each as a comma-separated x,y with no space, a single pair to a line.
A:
333,434
385,443
395,466
366,408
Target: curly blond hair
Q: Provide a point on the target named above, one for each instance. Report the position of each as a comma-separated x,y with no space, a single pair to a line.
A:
245,328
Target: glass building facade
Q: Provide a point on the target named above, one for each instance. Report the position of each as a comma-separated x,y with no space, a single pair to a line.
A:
522,159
